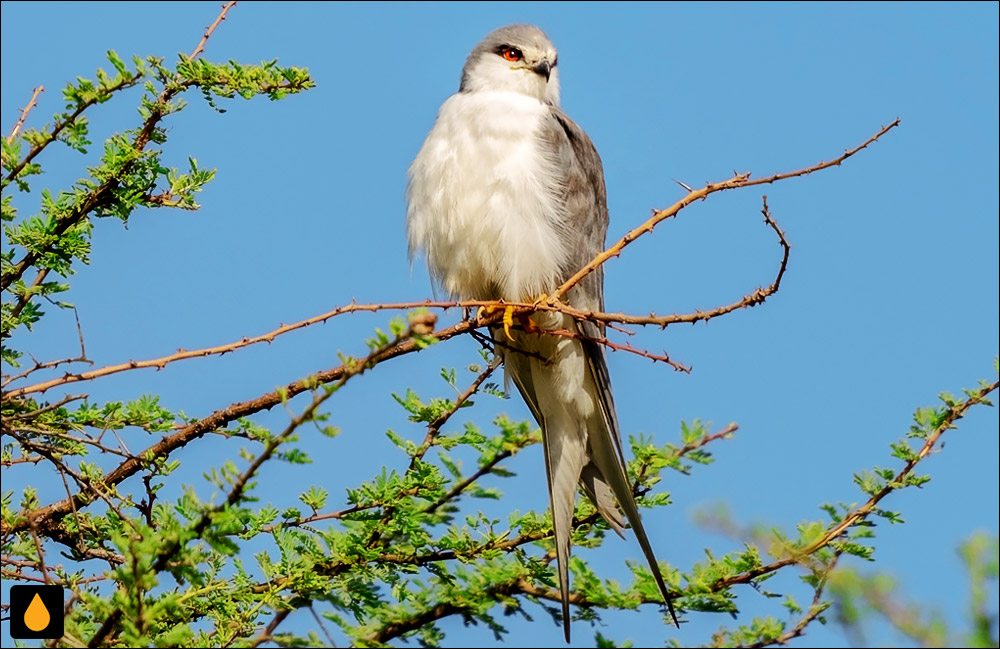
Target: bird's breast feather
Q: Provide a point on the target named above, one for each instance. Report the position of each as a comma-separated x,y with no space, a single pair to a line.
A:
485,199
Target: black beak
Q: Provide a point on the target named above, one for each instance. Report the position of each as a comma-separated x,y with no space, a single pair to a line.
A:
543,69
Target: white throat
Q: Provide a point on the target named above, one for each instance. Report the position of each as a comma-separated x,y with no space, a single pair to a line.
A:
491,73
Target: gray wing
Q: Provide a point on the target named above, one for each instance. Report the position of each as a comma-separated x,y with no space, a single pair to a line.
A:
585,202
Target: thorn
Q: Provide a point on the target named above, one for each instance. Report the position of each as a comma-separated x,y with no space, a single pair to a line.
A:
683,185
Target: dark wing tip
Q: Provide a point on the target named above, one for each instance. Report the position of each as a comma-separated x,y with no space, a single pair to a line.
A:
673,614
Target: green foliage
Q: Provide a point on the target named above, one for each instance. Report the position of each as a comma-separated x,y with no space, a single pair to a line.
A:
981,555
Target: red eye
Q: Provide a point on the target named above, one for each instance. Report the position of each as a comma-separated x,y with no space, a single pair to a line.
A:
512,54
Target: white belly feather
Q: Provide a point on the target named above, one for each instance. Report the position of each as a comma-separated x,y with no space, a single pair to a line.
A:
484,200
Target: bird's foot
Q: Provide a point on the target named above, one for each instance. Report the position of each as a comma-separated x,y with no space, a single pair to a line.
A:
484,309
528,324
508,317
525,318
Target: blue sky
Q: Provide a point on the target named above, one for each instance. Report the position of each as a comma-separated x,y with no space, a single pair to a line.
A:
891,295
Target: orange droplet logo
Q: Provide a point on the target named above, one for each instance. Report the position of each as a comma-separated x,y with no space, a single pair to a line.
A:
37,616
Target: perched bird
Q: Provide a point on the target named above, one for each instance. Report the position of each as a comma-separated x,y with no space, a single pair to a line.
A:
506,198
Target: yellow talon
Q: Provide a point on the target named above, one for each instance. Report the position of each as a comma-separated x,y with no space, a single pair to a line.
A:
487,309
508,317
508,322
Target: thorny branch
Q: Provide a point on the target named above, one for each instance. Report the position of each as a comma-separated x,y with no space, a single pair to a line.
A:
60,125
211,28
157,111
24,114
859,514
552,304
736,182
433,430
753,299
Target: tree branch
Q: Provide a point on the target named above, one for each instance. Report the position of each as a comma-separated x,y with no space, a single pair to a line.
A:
24,114
859,514
736,182
51,137
48,518
166,553
753,299
211,28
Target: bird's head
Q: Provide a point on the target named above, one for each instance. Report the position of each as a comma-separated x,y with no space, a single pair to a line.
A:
517,58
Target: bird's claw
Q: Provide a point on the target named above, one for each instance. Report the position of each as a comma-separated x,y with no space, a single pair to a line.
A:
508,317
508,322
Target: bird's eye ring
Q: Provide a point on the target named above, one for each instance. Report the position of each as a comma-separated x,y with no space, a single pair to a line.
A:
512,54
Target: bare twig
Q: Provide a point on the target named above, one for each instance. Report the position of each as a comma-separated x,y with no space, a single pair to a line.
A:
267,634
24,114
27,416
41,555
661,358
211,28
319,621
736,182
182,354
127,82
40,366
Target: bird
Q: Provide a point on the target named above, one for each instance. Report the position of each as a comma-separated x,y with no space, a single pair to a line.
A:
506,199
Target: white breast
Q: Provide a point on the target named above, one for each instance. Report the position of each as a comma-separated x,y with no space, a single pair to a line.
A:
483,199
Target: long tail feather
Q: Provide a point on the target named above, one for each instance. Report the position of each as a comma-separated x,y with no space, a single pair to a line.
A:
605,458
564,458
